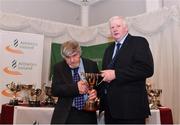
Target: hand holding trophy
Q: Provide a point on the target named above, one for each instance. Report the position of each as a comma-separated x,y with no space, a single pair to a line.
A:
91,79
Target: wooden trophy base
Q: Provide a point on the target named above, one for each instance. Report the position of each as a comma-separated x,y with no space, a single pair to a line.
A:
91,106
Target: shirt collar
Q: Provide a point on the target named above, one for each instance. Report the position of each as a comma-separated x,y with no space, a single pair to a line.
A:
81,67
121,41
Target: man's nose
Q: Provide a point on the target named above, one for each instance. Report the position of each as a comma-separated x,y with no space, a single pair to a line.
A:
71,59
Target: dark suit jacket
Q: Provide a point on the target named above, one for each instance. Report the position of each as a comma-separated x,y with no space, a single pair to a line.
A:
127,96
63,87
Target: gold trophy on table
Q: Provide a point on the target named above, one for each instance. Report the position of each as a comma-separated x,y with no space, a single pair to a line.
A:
92,80
14,88
26,89
49,101
155,98
34,101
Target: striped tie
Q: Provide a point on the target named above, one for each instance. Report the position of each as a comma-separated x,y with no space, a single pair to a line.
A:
111,64
117,49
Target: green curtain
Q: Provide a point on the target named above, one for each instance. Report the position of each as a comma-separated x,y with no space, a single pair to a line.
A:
94,52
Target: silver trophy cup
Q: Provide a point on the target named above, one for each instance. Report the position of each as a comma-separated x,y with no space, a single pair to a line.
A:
49,101
14,88
34,101
155,98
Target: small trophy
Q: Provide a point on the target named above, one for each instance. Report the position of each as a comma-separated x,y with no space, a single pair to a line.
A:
92,80
26,89
155,98
35,93
149,88
14,88
49,101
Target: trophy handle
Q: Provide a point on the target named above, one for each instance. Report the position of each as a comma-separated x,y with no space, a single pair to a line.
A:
85,77
99,83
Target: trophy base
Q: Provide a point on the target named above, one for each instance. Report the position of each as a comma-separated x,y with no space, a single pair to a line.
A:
13,102
91,106
49,102
155,104
34,103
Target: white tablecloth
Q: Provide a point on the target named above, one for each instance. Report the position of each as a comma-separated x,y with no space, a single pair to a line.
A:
32,115
154,118
43,115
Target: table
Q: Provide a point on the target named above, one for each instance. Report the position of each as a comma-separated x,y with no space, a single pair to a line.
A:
38,115
166,115
154,118
42,115
7,112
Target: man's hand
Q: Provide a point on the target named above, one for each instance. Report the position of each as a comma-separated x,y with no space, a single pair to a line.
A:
108,75
82,87
92,94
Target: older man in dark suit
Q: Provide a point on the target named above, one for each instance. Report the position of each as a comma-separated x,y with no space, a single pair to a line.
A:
72,91
127,63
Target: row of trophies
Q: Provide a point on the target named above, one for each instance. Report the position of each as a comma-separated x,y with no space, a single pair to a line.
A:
92,79
90,105
30,94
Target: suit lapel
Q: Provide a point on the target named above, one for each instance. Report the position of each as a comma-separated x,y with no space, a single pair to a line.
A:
110,53
67,72
86,66
124,47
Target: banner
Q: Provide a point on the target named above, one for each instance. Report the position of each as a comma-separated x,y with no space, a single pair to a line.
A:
21,60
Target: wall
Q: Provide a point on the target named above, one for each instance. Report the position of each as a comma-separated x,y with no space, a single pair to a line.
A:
102,11
67,12
56,10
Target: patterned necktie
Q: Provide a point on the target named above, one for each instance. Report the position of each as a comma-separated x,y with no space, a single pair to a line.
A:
111,64
78,100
